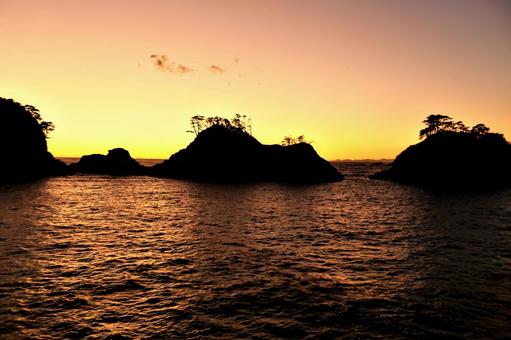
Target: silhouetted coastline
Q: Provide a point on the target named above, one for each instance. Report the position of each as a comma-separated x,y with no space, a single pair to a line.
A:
453,158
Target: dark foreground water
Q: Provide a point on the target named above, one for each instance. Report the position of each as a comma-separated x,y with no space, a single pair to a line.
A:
140,257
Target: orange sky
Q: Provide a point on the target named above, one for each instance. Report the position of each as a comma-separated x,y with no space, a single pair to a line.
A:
356,77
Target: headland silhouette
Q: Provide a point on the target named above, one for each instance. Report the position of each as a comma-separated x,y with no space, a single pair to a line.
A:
25,155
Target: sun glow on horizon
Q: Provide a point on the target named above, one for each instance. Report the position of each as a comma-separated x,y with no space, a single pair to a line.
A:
355,77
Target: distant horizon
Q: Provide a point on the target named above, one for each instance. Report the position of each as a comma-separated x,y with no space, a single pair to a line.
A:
331,161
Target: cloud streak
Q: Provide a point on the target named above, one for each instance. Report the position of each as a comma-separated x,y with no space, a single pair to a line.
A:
216,69
162,63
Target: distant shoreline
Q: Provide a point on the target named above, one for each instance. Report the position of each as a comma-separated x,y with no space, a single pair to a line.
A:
153,161
381,160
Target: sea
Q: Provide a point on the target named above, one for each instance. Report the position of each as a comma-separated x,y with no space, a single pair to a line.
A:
101,257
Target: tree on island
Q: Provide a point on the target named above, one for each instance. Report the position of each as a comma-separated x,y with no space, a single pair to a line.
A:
480,130
437,123
46,127
240,123
15,114
288,140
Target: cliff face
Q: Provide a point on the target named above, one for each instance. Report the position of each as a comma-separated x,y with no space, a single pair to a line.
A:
450,160
219,154
117,162
24,152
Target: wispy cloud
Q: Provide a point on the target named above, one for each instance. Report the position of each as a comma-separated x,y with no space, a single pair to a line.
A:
217,69
183,69
162,63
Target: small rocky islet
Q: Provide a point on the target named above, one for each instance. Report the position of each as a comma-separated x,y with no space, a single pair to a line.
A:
117,162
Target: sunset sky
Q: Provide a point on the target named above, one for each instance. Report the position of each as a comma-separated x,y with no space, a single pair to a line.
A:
356,77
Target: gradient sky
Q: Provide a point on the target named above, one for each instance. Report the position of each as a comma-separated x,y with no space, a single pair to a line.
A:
356,77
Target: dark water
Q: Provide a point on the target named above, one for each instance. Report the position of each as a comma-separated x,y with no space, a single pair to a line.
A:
101,257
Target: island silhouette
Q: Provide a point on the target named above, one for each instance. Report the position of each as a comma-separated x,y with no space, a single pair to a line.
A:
117,162
453,156
225,151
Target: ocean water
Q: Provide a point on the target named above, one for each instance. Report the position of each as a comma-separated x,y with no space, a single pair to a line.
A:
99,257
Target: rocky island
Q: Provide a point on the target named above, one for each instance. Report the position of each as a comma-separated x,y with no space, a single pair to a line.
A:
117,162
225,151
25,155
453,157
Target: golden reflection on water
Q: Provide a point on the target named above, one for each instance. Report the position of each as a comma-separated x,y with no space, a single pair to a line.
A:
140,256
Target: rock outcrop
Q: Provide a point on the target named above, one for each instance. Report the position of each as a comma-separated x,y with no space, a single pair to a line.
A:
230,155
117,162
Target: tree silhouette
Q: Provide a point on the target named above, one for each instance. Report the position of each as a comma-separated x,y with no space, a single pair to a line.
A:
438,123
197,124
289,140
239,124
434,124
480,130
459,126
242,122
236,121
46,127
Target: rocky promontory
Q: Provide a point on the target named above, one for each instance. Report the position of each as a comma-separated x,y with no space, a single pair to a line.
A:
229,154
24,151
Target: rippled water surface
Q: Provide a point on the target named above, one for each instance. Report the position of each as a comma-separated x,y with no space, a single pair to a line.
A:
140,257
